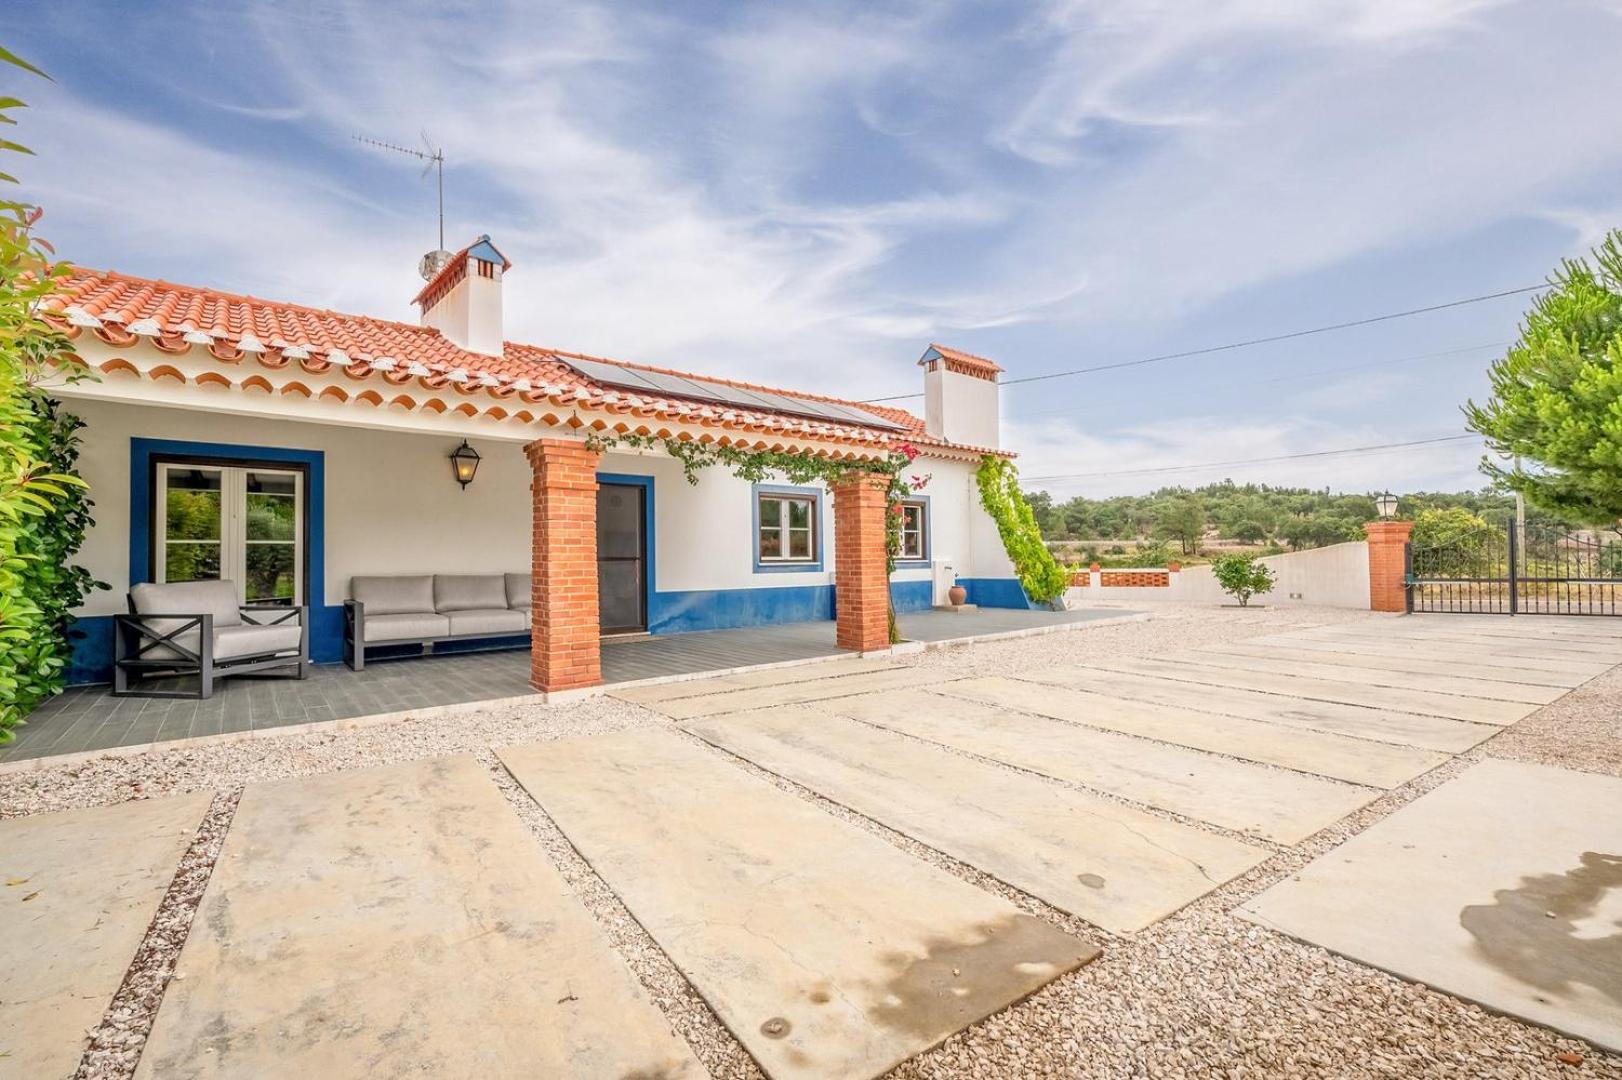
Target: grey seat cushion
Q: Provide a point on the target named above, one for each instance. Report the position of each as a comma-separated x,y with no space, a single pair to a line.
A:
405,626
216,598
489,621
235,641
395,595
518,591
469,592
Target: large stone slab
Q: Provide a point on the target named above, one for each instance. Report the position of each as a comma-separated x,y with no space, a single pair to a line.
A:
1454,684
1393,699
1285,807
1503,886
79,889
1357,761
392,922
777,676
1381,725
1477,680
827,951
765,697
1520,669
1114,866
1516,639
1479,649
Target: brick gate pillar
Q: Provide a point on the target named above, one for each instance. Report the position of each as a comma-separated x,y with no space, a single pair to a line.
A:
1388,564
564,627
861,583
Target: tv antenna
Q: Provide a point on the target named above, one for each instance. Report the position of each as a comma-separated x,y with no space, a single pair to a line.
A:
434,158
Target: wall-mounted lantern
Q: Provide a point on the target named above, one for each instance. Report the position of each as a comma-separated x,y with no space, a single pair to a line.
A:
465,460
1386,504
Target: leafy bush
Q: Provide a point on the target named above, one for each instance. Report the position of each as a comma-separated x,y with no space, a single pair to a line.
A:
1242,576
43,509
1453,542
1043,578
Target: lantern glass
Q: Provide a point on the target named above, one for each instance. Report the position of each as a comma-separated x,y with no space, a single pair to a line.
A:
465,461
1386,504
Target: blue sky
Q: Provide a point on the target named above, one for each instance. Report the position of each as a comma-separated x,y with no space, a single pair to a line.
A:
807,194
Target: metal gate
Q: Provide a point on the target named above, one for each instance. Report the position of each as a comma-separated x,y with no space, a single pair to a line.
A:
1499,570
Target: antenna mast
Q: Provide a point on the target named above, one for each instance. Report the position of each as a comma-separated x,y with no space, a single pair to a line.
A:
433,155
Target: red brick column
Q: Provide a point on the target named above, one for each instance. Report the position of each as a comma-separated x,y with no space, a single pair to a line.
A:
1388,564
564,627
861,584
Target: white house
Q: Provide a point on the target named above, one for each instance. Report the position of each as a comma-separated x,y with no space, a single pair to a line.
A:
291,450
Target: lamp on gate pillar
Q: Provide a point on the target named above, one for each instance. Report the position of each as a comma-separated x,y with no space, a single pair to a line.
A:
465,460
1386,504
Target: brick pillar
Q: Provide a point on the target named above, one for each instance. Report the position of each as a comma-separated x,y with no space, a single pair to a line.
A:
861,585
1388,564
563,615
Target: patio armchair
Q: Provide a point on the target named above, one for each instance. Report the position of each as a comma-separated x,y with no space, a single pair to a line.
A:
199,628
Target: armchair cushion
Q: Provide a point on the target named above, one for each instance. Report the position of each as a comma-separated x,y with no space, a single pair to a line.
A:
231,642
394,595
518,590
468,592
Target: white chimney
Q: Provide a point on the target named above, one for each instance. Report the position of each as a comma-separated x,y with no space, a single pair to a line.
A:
462,299
961,397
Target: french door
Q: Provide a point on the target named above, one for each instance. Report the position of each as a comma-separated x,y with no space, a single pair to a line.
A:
238,523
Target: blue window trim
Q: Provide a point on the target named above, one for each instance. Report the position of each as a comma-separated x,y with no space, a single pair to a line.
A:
142,451
819,533
650,590
929,536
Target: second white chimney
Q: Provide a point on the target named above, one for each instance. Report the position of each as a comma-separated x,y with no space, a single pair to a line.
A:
962,400
463,300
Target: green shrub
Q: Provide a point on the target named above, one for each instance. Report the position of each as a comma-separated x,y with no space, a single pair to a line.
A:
1242,576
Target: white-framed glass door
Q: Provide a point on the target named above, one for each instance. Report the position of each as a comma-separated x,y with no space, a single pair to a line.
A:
240,523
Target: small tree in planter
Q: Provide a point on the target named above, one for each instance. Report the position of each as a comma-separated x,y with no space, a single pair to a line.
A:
1242,576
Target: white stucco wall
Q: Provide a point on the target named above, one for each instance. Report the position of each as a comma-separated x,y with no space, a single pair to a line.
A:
1334,576
392,505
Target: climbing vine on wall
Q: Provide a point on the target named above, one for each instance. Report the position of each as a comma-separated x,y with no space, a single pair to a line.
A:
756,466
1043,578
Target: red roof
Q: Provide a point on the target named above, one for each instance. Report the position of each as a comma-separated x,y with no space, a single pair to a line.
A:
120,308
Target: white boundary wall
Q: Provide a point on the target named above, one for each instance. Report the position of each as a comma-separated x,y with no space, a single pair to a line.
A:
1335,576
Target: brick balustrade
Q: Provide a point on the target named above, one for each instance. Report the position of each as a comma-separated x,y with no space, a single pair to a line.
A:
1388,564
861,585
564,627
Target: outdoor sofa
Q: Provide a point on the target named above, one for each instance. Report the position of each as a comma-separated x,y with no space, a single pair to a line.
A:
423,609
200,628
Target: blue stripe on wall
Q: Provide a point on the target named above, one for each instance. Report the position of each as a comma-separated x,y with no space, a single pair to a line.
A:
996,592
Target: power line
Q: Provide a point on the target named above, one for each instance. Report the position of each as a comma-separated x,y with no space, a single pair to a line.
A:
1297,376
1255,461
1251,341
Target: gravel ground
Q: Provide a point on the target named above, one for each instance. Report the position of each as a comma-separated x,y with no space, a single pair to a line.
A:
1201,994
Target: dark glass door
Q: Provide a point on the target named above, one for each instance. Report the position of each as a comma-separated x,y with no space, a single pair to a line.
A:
622,556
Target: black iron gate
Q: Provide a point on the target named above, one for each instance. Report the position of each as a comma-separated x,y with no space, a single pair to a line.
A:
1499,570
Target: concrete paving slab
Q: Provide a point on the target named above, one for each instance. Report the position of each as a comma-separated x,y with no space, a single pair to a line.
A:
1452,684
1116,867
827,951
79,889
1548,625
1285,807
399,921
1405,729
1503,886
790,694
1479,649
831,669
1579,630
1580,671
1478,680
1357,761
1394,699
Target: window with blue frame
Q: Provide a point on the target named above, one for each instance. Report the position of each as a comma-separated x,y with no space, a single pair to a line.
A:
787,528
914,531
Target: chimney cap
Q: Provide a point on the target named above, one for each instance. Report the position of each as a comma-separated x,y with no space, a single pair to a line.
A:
958,356
481,249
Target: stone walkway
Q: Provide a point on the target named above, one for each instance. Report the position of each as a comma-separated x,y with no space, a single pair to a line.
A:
343,905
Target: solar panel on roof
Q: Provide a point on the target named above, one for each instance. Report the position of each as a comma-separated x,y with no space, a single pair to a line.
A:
704,390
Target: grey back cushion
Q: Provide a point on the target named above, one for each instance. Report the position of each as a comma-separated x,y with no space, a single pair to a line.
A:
404,595
518,590
469,592
216,598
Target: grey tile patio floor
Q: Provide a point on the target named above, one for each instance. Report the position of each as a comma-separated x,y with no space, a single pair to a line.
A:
88,718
